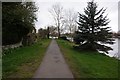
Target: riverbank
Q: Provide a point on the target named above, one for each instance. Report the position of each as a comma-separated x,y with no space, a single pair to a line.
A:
88,64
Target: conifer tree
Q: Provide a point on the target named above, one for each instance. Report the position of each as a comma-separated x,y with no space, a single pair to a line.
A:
92,32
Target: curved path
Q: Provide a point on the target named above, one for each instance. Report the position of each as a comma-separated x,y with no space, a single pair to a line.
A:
53,64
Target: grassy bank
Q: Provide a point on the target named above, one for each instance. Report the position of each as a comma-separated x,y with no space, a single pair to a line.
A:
23,62
86,64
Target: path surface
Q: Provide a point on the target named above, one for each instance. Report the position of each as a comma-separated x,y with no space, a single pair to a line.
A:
53,64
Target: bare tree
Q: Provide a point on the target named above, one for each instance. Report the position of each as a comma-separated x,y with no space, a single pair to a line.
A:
70,20
57,13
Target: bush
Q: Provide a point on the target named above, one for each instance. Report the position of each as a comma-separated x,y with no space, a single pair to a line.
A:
63,38
77,39
8,51
31,38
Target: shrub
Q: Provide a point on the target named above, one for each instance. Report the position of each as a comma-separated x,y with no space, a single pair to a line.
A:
63,38
31,38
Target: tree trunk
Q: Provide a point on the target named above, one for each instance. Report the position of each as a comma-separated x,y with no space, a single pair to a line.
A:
58,29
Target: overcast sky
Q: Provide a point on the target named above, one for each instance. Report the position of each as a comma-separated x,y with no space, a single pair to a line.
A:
46,19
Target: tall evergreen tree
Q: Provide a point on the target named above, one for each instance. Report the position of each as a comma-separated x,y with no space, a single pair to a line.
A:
92,33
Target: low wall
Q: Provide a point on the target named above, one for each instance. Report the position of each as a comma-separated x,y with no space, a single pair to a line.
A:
12,46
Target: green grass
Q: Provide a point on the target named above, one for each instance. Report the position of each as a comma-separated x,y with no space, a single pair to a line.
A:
87,64
23,62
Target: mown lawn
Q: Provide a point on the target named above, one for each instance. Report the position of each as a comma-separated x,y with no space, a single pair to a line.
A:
24,61
87,64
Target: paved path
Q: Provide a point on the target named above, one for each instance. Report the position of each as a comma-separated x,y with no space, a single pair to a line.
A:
53,64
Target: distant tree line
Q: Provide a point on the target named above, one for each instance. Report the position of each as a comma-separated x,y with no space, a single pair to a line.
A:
43,33
17,21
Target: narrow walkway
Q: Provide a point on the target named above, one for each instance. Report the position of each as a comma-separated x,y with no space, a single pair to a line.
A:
53,64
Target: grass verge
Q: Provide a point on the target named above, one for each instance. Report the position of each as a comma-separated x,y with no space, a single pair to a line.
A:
24,61
86,64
